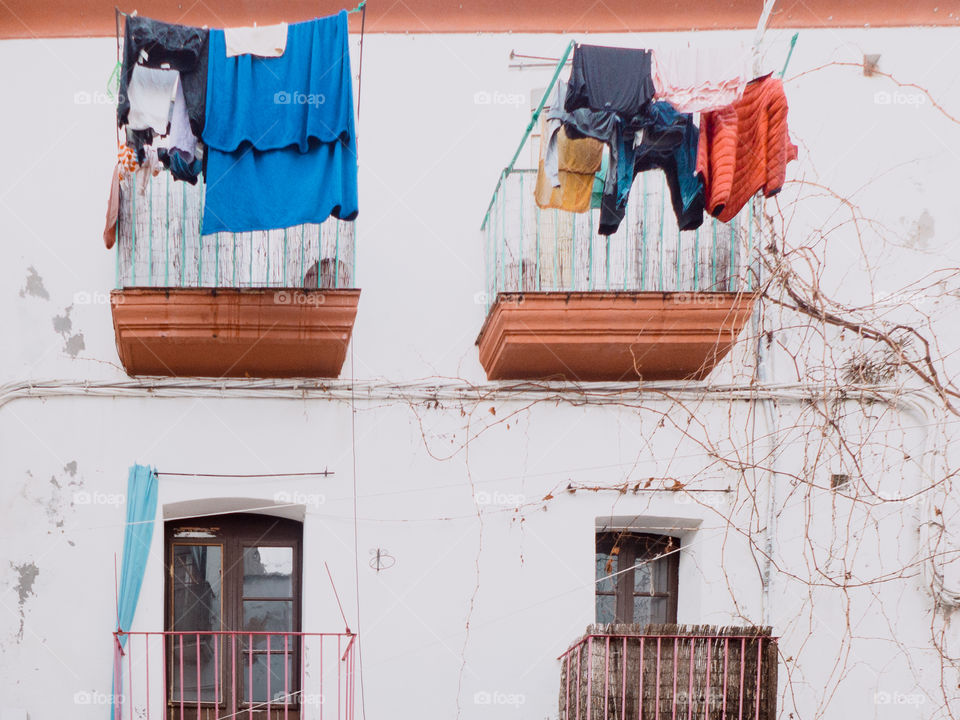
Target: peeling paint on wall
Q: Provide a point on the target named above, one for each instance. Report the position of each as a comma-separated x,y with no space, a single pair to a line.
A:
54,514
26,577
64,495
34,285
922,230
63,325
74,345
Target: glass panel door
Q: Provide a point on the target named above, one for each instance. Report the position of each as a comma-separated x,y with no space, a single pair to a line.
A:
197,605
267,606
233,617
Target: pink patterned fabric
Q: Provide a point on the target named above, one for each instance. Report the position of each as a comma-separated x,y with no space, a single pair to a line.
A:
702,78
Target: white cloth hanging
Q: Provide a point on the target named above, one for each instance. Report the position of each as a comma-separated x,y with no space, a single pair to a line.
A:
701,78
151,93
266,41
181,134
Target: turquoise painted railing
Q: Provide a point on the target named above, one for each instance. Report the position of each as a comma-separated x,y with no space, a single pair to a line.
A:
160,245
527,249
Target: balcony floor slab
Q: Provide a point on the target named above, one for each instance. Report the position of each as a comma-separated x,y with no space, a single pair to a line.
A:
610,336
231,332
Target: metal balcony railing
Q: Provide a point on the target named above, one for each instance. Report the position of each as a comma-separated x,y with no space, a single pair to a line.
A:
696,672
527,249
160,245
219,674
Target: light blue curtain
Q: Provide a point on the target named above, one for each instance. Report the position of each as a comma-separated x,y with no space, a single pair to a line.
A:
141,514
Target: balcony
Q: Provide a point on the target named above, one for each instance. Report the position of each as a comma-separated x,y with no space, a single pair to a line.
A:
617,672
255,675
276,303
649,302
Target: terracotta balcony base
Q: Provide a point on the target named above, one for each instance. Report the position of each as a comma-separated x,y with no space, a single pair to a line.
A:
228,332
606,336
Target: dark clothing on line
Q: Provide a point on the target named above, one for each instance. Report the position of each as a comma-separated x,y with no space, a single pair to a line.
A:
138,140
607,98
600,125
183,47
612,79
669,143
177,162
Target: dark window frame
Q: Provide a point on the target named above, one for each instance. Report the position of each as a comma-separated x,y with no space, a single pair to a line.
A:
633,547
232,532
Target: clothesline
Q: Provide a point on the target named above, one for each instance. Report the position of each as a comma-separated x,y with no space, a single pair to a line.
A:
361,6
561,62
183,84
551,61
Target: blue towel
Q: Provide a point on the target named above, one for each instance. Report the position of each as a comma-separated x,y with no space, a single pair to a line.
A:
252,190
280,136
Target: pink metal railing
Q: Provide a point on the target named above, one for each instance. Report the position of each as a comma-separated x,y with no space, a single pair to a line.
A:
677,676
222,675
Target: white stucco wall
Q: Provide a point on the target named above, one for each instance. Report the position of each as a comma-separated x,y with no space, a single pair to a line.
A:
430,156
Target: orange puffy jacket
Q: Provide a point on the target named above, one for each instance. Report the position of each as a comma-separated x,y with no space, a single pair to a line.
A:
745,147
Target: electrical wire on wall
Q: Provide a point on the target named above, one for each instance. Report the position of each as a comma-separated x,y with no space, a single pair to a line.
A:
353,413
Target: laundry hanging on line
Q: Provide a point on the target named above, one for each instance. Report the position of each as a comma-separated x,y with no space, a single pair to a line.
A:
280,133
608,94
567,167
181,166
745,148
128,165
263,41
669,143
162,94
701,78
152,92
615,79
156,44
608,89
741,147
577,161
181,136
303,169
